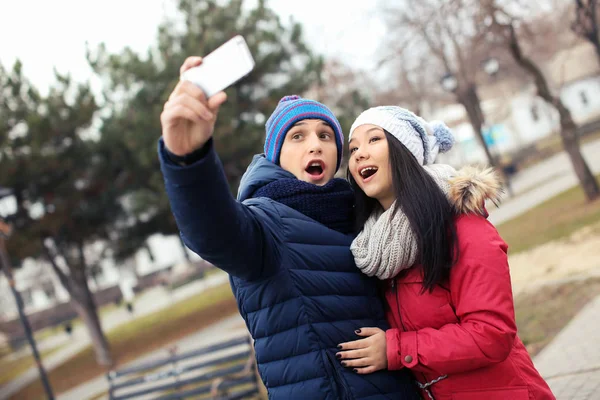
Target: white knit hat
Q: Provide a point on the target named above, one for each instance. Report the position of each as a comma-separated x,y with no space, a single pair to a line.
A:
423,139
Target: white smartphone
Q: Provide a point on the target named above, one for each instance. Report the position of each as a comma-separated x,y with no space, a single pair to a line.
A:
222,68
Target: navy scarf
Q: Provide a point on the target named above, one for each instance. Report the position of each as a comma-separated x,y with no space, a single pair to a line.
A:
332,204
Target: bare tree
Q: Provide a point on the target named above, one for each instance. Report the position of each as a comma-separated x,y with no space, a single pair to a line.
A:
454,45
413,86
74,279
503,29
586,22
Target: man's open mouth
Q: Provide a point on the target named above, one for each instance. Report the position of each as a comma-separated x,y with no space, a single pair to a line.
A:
315,168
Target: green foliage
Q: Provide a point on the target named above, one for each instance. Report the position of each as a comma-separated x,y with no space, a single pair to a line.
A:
137,87
65,188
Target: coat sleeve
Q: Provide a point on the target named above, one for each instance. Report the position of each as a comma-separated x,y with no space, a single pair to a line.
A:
221,230
482,296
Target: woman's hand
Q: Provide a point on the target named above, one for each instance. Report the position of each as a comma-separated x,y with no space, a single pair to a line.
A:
367,355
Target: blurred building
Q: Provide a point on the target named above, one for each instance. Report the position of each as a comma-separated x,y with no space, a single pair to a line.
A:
163,261
516,117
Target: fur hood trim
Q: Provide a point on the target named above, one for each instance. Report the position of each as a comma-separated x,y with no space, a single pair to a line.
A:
471,187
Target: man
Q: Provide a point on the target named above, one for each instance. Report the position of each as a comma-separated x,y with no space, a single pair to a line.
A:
284,242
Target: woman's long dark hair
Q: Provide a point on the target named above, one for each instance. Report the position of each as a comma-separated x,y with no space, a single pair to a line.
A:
429,213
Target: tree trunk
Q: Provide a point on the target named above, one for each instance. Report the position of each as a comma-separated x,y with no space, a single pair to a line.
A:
470,100
568,129
596,43
83,302
587,19
84,305
570,141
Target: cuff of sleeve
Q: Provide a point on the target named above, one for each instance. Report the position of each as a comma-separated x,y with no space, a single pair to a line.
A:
408,349
175,173
392,338
190,158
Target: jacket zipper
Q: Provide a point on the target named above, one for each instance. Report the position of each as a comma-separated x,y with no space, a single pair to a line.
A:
346,395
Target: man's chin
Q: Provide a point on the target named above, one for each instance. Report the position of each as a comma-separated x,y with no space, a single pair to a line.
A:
319,181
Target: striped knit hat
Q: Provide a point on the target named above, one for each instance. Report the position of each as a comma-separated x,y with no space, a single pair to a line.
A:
290,110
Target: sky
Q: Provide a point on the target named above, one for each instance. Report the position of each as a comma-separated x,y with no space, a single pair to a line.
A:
52,34
48,34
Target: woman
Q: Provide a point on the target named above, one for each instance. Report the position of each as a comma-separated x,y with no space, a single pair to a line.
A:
285,242
444,266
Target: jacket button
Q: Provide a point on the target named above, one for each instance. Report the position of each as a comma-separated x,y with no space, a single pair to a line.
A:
408,359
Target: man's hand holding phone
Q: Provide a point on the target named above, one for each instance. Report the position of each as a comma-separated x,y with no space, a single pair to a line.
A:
188,118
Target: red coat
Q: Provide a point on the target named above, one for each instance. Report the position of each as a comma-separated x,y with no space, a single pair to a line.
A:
465,330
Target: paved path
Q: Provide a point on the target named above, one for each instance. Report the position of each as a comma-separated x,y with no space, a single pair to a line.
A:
571,362
542,181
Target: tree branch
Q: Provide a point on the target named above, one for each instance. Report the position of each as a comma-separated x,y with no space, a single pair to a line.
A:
64,279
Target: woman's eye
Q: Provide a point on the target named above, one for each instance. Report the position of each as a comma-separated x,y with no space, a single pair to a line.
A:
353,149
374,139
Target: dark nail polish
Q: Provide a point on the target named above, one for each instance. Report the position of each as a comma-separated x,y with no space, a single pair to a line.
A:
343,364
338,355
339,346
357,331
355,370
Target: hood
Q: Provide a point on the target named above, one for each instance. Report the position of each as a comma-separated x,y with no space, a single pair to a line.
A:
259,173
471,187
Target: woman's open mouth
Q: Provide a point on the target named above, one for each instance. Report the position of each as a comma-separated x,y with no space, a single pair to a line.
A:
367,173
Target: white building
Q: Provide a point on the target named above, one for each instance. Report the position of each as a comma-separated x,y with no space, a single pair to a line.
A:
517,117
40,288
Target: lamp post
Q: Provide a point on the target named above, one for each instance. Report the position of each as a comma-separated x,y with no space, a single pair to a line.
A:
491,66
449,82
6,196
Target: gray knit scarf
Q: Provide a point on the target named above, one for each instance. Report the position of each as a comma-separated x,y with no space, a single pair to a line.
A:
387,244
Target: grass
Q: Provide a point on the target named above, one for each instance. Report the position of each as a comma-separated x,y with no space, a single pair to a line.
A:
75,322
554,219
542,314
11,369
4,351
140,336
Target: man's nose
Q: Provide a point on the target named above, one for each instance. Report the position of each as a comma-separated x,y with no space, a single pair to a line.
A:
315,146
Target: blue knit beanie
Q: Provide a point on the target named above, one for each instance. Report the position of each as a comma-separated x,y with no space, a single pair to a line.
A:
290,110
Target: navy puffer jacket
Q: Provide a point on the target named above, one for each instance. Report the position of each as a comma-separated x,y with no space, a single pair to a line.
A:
294,279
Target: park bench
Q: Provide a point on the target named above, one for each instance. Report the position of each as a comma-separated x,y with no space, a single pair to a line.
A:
224,371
